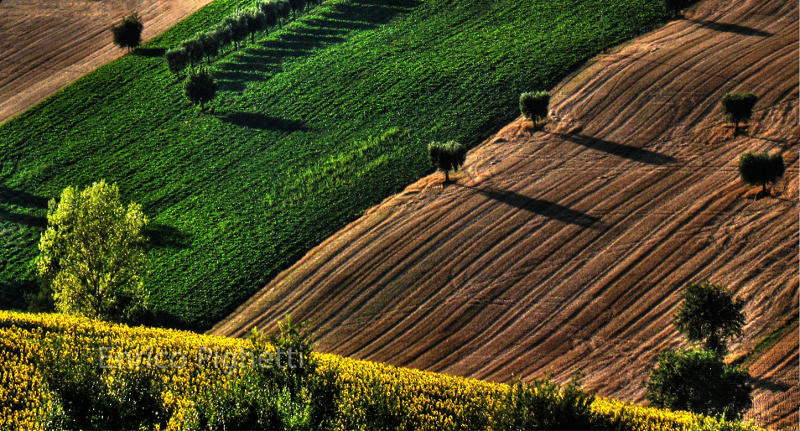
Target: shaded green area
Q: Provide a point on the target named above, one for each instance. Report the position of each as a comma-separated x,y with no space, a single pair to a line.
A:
766,343
292,151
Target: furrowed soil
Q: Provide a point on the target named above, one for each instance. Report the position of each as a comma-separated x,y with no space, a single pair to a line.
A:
46,44
564,250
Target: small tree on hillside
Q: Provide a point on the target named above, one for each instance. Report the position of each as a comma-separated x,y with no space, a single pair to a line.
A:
738,108
710,315
297,6
283,9
209,44
533,105
760,169
224,35
200,88
128,33
176,60
698,381
194,50
239,27
447,156
255,23
270,14
90,256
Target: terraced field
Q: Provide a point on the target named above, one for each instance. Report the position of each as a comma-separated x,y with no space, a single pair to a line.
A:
564,250
46,44
295,147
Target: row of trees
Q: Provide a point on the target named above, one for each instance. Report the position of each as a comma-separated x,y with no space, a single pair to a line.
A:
233,31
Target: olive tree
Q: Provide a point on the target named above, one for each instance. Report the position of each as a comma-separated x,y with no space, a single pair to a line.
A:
200,88
194,50
128,33
223,34
270,12
738,108
176,60
760,169
447,156
710,315
90,256
255,23
533,105
238,24
283,9
699,381
297,6
209,44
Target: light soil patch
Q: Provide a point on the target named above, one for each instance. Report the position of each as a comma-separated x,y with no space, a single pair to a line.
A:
46,44
564,250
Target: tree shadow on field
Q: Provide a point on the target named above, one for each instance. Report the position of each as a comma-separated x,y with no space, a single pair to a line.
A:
626,151
22,199
769,384
164,236
730,28
150,52
542,207
256,120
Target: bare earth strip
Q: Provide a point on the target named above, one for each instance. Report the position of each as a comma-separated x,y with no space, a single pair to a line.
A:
46,44
564,250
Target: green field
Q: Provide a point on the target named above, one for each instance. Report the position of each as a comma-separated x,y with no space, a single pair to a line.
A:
286,157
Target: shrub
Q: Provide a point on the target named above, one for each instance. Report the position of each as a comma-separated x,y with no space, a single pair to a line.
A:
699,381
447,156
128,33
194,50
544,405
90,255
533,105
709,314
176,60
760,169
200,88
738,108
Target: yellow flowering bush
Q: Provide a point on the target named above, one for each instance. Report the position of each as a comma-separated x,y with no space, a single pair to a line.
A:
72,372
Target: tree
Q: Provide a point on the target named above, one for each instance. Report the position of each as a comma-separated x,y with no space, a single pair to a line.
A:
297,6
128,33
239,27
176,60
447,156
283,9
194,50
533,105
89,255
270,14
255,22
738,108
700,382
674,7
200,88
209,44
760,169
223,34
710,315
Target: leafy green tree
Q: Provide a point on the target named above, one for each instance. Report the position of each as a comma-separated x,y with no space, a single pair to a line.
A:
297,6
128,33
710,315
699,381
223,34
760,169
447,156
738,108
533,105
200,88
176,60
255,23
90,254
194,50
210,45
270,12
238,24
283,9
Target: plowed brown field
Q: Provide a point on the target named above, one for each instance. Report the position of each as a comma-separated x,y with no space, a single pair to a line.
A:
564,250
46,44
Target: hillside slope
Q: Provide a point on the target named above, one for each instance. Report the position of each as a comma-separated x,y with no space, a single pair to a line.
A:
46,44
564,250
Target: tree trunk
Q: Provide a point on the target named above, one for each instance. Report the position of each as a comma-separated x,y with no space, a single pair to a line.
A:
764,189
447,176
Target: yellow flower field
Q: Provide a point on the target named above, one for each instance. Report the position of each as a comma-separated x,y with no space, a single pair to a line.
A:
166,375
